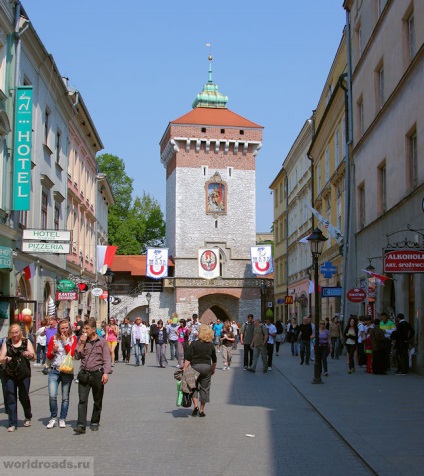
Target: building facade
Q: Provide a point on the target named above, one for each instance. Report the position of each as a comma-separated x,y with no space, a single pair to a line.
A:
387,72
54,186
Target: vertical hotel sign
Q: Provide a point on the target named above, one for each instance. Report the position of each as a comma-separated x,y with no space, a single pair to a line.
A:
22,147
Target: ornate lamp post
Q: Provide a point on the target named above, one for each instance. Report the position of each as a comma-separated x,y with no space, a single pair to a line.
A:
317,240
108,278
148,298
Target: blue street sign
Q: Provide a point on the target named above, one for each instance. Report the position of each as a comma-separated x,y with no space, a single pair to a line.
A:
327,269
331,292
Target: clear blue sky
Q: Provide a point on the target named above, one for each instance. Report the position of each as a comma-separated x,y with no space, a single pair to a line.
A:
139,64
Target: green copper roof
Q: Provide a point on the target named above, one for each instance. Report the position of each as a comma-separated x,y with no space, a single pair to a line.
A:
210,96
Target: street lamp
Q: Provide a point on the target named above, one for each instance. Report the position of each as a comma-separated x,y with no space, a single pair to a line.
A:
317,240
108,278
148,299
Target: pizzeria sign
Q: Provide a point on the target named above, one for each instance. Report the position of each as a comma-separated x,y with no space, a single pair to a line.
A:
403,261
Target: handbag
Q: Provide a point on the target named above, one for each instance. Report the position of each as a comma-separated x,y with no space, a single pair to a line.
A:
67,366
187,400
83,377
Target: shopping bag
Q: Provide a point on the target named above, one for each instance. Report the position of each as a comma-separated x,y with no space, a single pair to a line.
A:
179,394
187,400
67,366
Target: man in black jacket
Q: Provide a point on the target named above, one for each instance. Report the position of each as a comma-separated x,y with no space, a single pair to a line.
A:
404,333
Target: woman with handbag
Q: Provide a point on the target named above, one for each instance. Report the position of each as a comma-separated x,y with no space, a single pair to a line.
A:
323,348
15,354
60,351
201,356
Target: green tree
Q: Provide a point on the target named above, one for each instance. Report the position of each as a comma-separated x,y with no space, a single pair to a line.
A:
133,225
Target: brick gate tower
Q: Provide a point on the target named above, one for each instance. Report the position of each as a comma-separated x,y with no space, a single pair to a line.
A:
209,155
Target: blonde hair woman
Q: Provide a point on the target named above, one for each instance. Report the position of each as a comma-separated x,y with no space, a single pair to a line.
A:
201,355
16,352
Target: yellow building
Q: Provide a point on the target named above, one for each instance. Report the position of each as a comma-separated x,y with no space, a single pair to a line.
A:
328,156
279,189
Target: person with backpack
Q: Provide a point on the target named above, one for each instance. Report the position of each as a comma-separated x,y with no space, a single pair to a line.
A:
259,344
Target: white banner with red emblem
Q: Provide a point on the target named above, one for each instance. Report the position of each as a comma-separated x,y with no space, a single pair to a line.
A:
261,259
157,263
209,263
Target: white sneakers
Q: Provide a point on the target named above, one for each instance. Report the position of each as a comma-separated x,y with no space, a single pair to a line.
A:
225,368
52,423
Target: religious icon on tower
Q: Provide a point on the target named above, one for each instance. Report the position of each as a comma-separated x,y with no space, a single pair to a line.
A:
216,196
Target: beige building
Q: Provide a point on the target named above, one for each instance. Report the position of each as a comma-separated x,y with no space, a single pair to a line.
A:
388,111
299,223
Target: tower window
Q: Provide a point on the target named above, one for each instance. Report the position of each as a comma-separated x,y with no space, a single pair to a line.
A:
203,129
216,223
241,132
222,131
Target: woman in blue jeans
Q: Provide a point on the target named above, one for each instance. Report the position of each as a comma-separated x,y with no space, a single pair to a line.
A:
63,343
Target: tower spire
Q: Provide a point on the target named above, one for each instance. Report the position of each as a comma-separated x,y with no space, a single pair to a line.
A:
210,96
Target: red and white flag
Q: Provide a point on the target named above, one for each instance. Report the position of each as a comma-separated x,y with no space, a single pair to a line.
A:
379,279
29,271
105,255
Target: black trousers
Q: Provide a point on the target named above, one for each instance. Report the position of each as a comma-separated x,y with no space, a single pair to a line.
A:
270,351
96,385
402,357
126,347
248,355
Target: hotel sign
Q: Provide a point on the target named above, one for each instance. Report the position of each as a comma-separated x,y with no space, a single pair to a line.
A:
47,235
22,148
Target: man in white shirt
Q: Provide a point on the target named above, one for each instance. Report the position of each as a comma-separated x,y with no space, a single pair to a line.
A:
272,332
139,340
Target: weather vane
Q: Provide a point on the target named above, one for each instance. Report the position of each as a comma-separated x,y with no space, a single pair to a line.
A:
210,51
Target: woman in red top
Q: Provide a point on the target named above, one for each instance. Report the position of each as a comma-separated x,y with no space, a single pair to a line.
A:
63,343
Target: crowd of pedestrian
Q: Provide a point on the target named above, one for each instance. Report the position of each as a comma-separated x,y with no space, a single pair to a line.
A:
377,345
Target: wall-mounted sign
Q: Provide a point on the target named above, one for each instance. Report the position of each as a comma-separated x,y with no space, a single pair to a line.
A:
6,257
65,285
97,292
73,296
54,248
289,300
327,269
331,291
403,261
356,295
22,148
46,235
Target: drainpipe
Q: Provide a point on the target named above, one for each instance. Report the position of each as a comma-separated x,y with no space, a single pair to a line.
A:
286,185
348,197
312,199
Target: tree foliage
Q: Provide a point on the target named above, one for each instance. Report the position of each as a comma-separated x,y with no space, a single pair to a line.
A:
133,225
